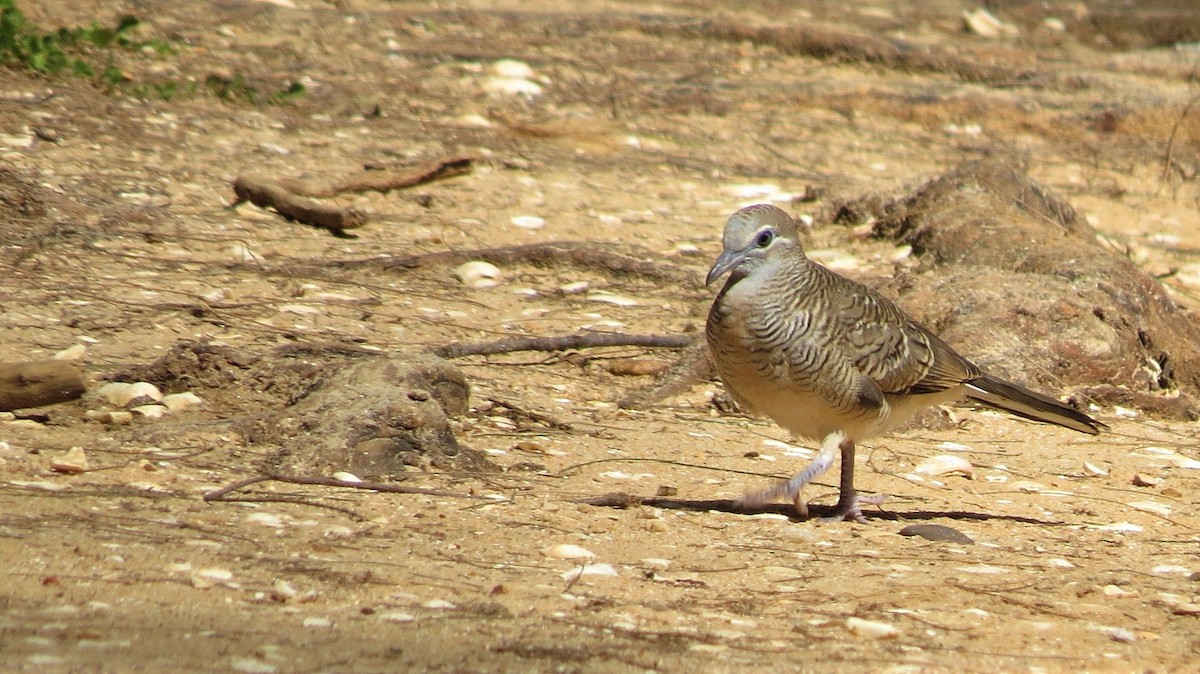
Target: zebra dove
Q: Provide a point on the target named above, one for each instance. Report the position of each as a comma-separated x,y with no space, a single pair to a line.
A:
829,359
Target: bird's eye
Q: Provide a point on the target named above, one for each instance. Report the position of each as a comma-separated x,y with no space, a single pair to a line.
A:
765,238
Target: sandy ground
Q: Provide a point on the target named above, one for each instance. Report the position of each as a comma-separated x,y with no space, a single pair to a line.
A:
649,129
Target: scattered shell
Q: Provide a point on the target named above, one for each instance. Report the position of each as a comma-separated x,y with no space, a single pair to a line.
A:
687,249
1120,527
397,617
936,532
281,589
1171,568
439,604
203,579
343,476
473,120
871,629
478,274
596,569
1118,592
150,411
568,551
984,569
74,461
1140,480
1151,507
574,288
511,86
117,418
984,24
954,447
612,298
528,221
40,484
266,519
317,621
1121,635
121,393
1189,608
1093,469
178,402
513,68
1059,563
945,464
251,666
76,352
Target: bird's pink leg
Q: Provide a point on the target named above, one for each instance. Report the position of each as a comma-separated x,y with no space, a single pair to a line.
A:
791,488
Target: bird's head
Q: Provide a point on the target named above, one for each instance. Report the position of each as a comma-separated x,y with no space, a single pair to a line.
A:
754,235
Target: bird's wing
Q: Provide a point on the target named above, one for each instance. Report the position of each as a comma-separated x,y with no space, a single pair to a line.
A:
898,354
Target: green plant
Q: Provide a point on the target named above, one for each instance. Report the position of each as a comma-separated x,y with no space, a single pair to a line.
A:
87,51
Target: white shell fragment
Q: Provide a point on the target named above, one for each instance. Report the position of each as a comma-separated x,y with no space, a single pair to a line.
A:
984,24
120,393
478,274
597,569
150,411
945,464
178,402
117,418
76,352
528,221
74,461
1093,469
343,476
1151,507
568,551
611,298
871,628
205,578
513,68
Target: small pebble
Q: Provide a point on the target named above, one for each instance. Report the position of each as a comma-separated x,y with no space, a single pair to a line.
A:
178,402
568,551
871,628
597,569
937,532
1121,635
528,221
74,461
150,411
478,274
76,352
945,464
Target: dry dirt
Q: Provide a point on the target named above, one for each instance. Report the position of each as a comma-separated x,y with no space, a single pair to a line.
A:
652,122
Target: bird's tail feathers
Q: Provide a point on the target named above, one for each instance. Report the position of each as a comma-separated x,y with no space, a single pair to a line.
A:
1018,400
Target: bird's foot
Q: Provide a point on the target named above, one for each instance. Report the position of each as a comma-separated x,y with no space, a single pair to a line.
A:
849,507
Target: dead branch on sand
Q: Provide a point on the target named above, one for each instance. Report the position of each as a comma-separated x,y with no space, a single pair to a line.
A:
288,197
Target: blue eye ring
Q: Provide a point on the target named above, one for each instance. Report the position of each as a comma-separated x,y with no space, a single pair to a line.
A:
764,238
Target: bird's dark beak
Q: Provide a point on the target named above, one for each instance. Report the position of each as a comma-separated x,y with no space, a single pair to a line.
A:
727,260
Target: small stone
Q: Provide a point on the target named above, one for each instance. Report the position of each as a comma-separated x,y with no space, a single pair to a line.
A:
76,352
1118,592
178,402
1140,480
871,629
937,532
568,551
150,411
598,569
478,274
74,461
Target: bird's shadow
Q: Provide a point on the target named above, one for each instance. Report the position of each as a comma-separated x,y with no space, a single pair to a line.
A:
624,500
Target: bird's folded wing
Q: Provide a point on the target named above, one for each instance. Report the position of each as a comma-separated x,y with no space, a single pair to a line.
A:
895,352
